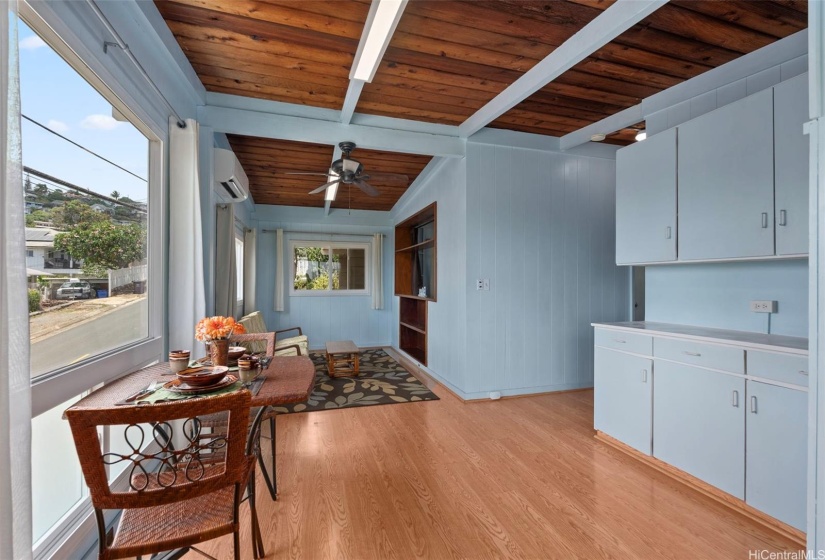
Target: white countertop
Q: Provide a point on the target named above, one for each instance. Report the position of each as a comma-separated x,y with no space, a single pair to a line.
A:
760,341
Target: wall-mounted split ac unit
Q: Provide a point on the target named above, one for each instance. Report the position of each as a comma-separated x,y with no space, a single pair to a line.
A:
231,183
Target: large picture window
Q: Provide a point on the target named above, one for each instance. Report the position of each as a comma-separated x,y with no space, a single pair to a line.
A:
329,268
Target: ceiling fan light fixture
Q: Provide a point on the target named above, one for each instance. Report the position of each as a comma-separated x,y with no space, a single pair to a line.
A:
598,137
641,135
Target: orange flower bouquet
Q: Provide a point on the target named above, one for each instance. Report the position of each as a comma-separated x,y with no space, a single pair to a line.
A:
217,328
215,332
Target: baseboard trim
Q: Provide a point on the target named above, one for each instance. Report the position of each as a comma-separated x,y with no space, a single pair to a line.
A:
734,503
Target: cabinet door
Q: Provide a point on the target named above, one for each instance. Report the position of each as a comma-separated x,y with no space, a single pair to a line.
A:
646,200
699,424
726,181
777,431
623,397
790,113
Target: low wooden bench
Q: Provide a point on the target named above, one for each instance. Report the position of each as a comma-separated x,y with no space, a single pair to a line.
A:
342,358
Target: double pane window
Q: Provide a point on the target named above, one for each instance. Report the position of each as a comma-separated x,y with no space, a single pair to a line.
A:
330,269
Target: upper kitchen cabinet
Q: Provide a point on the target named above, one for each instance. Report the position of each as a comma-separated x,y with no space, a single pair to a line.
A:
646,200
791,157
726,184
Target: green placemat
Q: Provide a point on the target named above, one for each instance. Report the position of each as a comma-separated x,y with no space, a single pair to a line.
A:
165,395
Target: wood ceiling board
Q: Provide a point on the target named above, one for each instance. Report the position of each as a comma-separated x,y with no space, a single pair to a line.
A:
771,18
266,161
443,49
687,42
295,56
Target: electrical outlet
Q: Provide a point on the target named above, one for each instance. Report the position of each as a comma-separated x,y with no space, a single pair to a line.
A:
763,306
479,284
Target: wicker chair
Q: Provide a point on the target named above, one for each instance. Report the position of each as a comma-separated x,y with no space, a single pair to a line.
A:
178,495
269,478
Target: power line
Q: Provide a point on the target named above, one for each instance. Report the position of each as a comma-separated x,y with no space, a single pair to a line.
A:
46,128
67,185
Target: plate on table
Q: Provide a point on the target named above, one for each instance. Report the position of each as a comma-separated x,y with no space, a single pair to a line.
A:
179,386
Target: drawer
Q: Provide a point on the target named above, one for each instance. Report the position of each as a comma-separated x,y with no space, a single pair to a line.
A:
625,341
788,368
723,358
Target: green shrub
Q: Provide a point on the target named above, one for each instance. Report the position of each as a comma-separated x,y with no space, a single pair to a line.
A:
34,300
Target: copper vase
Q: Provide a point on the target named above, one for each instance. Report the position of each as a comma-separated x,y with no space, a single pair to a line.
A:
219,352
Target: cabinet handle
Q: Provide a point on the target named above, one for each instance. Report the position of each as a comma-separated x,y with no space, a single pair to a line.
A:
667,233
735,399
620,341
764,219
644,376
753,405
686,353
783,218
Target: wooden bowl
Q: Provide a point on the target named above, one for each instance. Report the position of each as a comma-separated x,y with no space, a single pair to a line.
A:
236,352
204,377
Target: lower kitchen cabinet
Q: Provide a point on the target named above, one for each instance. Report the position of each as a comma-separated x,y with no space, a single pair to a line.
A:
699,425
776,435
623,397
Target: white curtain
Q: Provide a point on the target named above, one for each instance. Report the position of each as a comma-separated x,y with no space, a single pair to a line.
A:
226,295
377,271
15,383
187,302
279,270
250,255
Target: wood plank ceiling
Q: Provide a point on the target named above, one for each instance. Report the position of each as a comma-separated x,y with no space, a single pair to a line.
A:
447,59
267,164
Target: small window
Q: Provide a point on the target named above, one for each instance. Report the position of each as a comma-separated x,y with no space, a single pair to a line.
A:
330,268
239,273
29,253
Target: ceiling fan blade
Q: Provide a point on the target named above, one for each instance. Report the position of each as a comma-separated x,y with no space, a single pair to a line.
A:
366,187
389,178
324,187
305,173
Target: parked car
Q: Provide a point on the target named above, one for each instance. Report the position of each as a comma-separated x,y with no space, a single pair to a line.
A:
75,289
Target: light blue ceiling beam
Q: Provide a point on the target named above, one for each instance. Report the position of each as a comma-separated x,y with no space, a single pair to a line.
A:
283,127
608,25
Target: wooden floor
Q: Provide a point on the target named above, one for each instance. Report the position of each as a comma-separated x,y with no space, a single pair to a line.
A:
517,478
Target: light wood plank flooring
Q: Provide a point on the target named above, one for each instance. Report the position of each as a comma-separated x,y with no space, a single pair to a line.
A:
517,478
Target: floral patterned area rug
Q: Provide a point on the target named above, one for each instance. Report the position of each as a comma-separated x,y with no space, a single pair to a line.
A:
382,381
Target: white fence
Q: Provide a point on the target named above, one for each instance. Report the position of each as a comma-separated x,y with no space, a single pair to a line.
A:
118,278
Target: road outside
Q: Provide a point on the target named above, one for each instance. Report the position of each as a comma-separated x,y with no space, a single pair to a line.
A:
85,328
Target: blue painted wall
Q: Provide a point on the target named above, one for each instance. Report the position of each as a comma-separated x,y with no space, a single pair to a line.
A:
718,295
541,228
446,318
323,318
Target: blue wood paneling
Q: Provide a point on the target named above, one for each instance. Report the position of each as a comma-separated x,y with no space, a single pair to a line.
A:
718,295
446,331
324,318
540,226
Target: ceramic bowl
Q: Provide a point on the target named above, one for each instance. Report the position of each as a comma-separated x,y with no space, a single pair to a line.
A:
236,352
178,364
204,377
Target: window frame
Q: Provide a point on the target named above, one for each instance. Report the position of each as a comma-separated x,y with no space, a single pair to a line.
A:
331,245
53,388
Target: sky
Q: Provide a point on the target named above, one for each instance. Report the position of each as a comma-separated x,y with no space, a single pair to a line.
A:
53,94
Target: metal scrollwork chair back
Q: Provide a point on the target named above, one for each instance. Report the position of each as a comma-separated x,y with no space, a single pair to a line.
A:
185,480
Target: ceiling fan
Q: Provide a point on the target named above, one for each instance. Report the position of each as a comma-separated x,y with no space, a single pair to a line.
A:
348,171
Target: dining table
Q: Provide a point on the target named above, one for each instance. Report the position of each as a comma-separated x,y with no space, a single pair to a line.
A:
285,380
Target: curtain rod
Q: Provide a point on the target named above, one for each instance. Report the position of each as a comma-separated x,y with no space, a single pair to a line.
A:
119,43
324,233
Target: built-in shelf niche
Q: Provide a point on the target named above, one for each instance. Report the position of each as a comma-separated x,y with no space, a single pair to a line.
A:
415,268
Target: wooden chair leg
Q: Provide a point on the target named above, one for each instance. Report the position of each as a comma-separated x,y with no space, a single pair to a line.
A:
257,539
237,541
